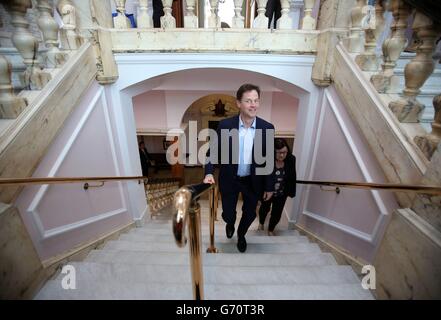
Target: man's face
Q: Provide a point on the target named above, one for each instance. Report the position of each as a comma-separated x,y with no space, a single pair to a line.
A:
249,104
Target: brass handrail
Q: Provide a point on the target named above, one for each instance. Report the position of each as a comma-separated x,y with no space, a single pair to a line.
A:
188,211
59,180
426,189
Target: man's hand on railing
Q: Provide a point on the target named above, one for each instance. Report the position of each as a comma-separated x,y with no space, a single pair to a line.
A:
209,179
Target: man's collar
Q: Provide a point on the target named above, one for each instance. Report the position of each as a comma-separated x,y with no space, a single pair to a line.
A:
253,125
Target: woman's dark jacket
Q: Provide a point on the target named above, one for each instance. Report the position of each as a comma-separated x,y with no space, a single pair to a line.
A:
290,176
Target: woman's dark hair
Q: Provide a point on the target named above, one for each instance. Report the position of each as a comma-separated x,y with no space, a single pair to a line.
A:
279,143
246,87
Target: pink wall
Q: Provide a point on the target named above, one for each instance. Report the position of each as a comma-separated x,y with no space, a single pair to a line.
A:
61,217
149,109
353,219
284,111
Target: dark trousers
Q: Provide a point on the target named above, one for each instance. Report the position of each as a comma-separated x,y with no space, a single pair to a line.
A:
276,204
229,202
273,7
158,12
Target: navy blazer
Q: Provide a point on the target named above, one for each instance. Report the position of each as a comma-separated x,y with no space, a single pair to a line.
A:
228,172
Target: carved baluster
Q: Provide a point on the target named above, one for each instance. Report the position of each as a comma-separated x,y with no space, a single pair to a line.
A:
261,21
416,72
190,19
49,29
429,142
373,26
167,20
27,45
285,21
238,19
356,38
70,40
144,21
213,19
121,21
10,105
308,22
392,47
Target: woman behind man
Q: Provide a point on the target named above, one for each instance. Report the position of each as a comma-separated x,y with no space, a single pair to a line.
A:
285,185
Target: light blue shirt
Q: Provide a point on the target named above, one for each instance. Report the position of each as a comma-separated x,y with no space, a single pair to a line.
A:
246,140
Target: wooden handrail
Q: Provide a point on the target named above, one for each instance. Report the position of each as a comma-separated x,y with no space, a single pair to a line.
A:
59,180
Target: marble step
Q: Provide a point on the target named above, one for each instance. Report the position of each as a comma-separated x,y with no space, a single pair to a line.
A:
219,259
169,274
229,247
218,238
94,290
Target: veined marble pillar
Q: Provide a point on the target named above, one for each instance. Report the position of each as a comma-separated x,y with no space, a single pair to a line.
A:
285,21
368,61
356,39
121,21
308,22
238,19
34,77
214,19
167,20
416,72
49,29
190,19
144,20
261,21
386,81
10,105
429,143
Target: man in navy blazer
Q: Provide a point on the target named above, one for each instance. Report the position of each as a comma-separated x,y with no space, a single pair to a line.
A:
244,166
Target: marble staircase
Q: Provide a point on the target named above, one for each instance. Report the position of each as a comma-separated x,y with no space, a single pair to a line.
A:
145,263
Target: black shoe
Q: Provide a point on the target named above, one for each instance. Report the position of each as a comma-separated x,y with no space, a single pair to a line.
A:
242,244
229,230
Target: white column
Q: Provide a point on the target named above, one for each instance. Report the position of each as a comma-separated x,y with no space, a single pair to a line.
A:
356,38
285,21
213,19
190,19
121,21
33,77
167,20
238,19
70,40
10,105
261,21
49,29
144,20
308,22
429,143
295,12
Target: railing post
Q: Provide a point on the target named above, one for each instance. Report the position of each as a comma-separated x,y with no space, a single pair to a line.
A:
213,19
261,21
356,39
212,199
238,19
70,40
121,21
373,25
308,22
417,71
49,29
167,20
144,21
386,81
10,105
34,77
429,143
285,21
190,19
195,238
